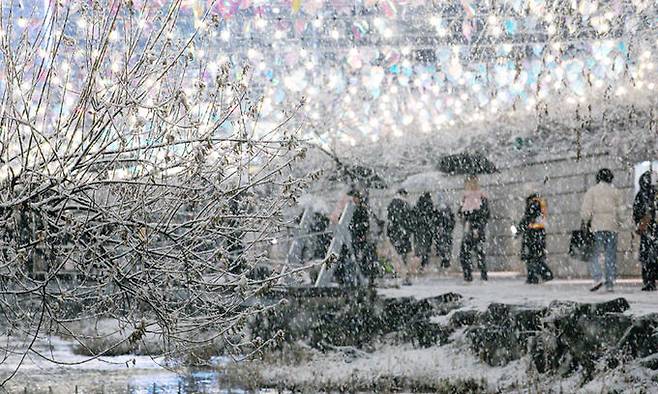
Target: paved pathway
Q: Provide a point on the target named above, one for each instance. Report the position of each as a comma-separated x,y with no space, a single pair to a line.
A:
511,289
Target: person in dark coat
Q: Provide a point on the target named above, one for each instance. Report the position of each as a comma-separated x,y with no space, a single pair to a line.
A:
321,238
363,248
424,227
644,216
474,213
444,226
399,228
532,229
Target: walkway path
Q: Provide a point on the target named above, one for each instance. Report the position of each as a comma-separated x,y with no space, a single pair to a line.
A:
506,288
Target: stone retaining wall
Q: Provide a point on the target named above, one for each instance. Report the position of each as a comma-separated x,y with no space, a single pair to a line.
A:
564,339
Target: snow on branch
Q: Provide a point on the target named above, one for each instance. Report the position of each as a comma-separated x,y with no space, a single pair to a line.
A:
138,182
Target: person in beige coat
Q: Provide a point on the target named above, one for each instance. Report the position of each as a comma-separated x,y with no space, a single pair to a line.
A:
601,210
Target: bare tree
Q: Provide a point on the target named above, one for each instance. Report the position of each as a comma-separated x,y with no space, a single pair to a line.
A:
138,181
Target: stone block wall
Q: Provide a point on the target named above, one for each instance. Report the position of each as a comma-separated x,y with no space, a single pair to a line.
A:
563,181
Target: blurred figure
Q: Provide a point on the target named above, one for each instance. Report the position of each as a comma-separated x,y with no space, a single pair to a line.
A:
474,213
600,209
644,216
321,236
363,248
532,229
444,226
318,235
400,227
423,222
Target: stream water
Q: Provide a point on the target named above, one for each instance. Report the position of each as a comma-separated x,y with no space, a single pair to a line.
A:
134,382
118,374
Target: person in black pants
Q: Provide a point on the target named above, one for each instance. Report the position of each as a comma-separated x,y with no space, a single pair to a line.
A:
400,228
424,223
532,229
474,213
362,246
445,224
644,216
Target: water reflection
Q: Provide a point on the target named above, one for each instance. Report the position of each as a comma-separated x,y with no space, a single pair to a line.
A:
199,381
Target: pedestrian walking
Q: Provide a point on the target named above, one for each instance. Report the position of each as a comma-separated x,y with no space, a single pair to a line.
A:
444,226
321,237
644,216
601,212
400,228
363,248
474,214
424,224
532,229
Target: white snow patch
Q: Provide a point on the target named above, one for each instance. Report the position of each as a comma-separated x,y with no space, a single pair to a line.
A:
423,364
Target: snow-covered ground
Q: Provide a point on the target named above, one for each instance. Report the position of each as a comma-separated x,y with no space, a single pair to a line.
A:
449,362
509,288
420,364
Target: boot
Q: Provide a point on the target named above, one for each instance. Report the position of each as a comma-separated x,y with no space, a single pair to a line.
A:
468,275
596,286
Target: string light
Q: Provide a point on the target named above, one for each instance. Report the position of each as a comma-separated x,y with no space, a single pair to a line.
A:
621,91
252,53
261,23
368,61
115,67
